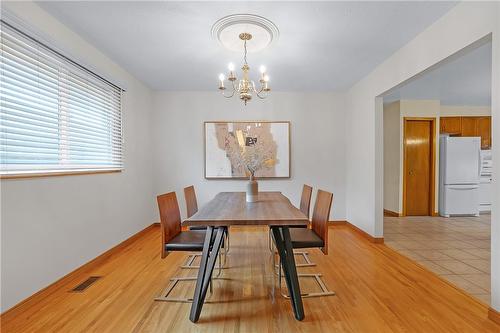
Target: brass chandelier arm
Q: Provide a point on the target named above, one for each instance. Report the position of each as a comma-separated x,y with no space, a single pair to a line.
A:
258,93
263,96
232,92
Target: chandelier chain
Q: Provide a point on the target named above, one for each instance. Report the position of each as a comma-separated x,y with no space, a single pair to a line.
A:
245,56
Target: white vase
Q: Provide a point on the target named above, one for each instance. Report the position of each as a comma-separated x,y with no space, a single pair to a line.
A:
252,190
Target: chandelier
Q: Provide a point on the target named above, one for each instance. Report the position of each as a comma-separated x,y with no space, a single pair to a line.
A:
246,87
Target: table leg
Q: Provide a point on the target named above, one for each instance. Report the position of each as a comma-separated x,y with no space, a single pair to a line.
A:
285,250
207,265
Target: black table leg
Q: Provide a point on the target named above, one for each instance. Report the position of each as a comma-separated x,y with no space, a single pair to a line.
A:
285,250
207,265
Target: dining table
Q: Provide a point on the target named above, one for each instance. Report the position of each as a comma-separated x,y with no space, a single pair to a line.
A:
231,208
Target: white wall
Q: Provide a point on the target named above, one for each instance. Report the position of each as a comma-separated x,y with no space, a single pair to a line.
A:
465,24
392,159
317,142
52,225
462,110
495,131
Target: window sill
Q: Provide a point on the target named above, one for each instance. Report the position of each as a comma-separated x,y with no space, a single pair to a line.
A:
55,174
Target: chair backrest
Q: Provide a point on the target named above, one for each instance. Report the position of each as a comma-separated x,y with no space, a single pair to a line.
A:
170,218
321,214
191,203
305,199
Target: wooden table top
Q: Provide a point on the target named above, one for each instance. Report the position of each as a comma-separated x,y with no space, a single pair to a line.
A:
231,208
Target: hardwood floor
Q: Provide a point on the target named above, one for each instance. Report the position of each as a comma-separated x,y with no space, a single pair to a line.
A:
377,289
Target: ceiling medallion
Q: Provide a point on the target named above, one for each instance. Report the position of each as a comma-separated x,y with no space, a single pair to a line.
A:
256,33
227,29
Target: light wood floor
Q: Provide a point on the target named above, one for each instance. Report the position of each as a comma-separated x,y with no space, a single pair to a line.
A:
378,290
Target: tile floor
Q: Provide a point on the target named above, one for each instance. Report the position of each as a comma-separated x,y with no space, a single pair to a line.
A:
456,248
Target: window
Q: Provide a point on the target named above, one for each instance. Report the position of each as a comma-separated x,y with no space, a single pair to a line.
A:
56,116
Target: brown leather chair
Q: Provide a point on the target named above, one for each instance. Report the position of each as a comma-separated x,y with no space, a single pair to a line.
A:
305,200
305,207
316,237
191,202
174,239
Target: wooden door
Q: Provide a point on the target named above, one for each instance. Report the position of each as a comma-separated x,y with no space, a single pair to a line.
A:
451,125
484,131
418,167
469,126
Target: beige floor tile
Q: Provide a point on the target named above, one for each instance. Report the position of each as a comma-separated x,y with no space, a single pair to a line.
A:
436,245
419,238
412,245
394,245
432,254
480,280
457,248
434,267
457,267
484,244
485,298
462,283
458,244
480,253
458,254
396,236
411,254
482,264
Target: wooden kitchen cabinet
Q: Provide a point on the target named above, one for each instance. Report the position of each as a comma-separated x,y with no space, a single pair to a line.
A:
468,126
484,131
451,125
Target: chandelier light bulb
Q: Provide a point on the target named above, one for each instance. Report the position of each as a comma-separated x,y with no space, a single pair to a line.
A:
266,78
262,69
230,67
221,77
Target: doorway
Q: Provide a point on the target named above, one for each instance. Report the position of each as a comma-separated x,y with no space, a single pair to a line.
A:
457,248
419,166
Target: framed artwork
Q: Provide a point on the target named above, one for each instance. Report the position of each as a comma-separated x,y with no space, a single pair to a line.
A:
238,149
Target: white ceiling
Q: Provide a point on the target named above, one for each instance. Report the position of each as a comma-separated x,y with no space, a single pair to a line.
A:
323,46
465,80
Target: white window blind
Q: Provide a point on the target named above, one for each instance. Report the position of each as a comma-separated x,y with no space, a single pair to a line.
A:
56,116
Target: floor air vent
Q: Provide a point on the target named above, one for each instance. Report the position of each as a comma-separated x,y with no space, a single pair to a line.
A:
85,284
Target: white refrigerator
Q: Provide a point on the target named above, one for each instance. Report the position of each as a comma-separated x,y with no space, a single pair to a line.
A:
459,173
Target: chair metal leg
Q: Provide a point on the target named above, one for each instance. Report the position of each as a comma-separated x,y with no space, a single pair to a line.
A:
226,250
273,290
191,258
270,241
305,255
173,283
324,289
